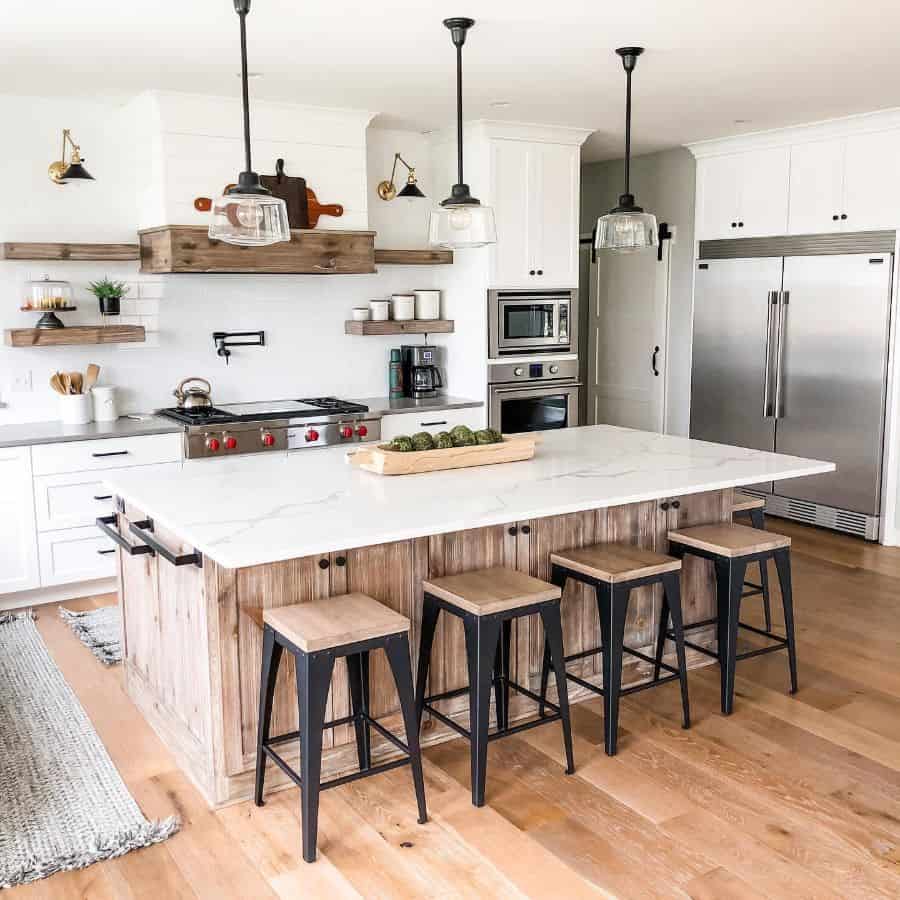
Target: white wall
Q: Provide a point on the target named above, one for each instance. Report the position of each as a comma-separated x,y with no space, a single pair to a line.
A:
151,157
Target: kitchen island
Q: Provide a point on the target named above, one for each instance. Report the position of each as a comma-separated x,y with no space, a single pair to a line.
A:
254,533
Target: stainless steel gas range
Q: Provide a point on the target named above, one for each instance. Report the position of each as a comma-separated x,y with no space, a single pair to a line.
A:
233,429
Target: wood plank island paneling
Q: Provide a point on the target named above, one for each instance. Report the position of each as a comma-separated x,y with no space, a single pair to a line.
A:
193,639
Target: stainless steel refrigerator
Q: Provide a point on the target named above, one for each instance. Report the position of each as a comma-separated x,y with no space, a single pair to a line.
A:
790,353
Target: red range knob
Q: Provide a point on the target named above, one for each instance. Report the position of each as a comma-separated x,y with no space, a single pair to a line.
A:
346,431
230,443
312,435
362,431
268,439
212,444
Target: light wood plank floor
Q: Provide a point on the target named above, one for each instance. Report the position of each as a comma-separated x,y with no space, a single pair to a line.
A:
790,797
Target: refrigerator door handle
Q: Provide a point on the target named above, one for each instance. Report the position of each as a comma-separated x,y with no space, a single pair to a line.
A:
779,355
771,303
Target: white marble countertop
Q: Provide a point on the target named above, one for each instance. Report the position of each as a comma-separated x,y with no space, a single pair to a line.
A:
254,510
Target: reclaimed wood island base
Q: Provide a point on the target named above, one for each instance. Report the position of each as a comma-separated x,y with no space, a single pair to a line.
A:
192,636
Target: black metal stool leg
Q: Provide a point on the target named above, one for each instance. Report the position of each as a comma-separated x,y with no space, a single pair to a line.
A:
482,634
271,658
558,577
397,650
783,564
672,592
430,612
313,681
358,672
501,675
612,604
730,574
551,618
661,634
758,520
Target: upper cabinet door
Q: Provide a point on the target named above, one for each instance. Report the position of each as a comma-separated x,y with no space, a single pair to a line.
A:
18,540
556,169
872,181
717,198
514,208
763,177
817,187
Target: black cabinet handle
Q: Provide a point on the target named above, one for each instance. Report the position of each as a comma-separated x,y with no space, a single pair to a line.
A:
105,523
111,453
653,361
340,561
513,531
526,529
433,424
103,496
324,564
144,528
105,552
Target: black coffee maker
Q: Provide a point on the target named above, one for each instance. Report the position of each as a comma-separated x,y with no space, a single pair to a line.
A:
421,370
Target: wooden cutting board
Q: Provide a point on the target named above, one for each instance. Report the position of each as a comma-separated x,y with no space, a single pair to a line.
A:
293,191
317,209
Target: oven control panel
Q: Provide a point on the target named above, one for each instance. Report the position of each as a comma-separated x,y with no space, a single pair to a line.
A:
529,371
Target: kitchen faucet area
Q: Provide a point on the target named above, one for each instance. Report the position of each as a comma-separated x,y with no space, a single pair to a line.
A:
449,456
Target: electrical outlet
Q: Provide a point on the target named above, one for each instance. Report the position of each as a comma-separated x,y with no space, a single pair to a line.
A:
21,383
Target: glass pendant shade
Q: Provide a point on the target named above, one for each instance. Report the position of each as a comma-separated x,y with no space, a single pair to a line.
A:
250,220
626,230
461,227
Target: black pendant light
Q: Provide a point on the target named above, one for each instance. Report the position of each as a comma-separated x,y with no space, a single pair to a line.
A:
627,227
461,221
248,214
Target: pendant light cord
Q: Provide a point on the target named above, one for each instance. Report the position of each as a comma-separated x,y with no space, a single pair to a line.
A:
627,130
459,114
245,89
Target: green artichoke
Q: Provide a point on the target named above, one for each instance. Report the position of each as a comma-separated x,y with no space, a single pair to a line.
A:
422,440
487,436
462,436
443,441
401,443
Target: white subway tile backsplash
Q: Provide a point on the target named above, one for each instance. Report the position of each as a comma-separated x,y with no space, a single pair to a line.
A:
150,290
147,307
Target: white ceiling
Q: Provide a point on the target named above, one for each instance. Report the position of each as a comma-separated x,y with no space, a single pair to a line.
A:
708,62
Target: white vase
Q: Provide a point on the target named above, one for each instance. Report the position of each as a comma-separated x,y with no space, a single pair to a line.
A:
75,409
106,409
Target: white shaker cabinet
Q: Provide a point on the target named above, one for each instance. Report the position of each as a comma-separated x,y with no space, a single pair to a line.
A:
817,187
535,194
18,545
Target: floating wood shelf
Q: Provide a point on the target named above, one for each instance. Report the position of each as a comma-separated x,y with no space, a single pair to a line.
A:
74,334
86,252
413,257
187,248
413,326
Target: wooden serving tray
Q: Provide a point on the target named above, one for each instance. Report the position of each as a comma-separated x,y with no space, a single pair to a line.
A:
392,462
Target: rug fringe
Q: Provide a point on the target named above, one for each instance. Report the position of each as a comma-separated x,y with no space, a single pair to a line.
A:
9,617
109,653
122,843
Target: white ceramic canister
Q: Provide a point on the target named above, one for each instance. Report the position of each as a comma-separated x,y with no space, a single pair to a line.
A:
361,313
381,310
428,304
106,409
75,409
403,307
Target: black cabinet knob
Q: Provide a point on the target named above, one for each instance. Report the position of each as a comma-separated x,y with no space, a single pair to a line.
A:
513,531
541,271
531,271
734,224
835,217
664,505
323,563
740,224
340,561
843,216
526,529
676,504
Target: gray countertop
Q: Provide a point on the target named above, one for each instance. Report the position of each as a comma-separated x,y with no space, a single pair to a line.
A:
57,432
386,406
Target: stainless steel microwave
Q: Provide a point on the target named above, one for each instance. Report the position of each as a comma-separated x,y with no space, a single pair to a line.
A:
532,322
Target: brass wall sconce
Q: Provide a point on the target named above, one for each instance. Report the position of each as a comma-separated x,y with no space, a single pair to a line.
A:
387,190
61,171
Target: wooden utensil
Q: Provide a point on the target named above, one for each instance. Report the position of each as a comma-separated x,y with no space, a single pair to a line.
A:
91,376
77,380
57,384
293,191
66,382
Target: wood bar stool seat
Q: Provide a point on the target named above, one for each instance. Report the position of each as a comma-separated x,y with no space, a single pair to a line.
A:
614,570
732,547
755,508
317,633
487,600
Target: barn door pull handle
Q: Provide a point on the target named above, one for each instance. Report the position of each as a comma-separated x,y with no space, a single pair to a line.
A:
653,361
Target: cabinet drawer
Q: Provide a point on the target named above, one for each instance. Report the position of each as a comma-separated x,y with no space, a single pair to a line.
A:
107,453
75,499
431,421
73,554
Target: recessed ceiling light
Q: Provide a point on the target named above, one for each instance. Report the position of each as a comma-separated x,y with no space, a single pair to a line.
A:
742,121
501,104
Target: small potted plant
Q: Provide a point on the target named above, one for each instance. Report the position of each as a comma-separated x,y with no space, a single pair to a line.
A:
110,294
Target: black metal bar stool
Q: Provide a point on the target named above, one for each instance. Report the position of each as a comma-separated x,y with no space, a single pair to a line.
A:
317,633
732,547
487,600
613,571
755,507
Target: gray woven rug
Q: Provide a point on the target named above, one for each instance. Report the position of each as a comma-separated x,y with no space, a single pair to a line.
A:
63,805
99,630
